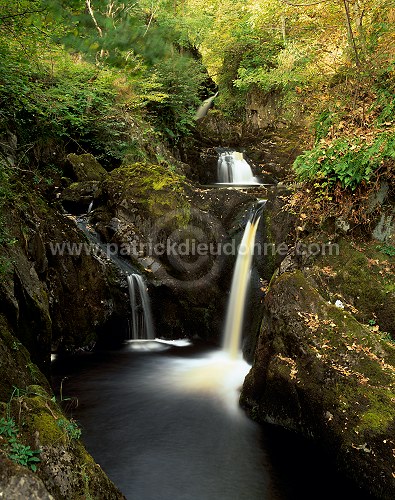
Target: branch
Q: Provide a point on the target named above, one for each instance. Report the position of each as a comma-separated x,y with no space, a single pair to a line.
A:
351,34
24,13
304,4
153,12
90,10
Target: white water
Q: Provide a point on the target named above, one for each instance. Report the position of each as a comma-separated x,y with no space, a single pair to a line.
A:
238,292
234,169
142,326
204,108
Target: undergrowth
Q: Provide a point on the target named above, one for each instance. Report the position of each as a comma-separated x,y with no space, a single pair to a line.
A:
15,449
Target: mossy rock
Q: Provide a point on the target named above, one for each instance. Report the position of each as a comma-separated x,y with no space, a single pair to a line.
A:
86,168
79,195
363,278
16,367
319,371
65,467
154,190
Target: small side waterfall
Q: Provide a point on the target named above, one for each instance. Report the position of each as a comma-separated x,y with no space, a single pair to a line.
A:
234,169
240,281
204,108
142,326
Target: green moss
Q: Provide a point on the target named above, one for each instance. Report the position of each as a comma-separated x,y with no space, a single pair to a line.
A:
373,371
154,187
376,420
49,432
360,277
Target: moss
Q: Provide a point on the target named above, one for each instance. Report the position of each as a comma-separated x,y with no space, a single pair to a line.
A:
376,420
16,367
373,371
362,277
154,187
49,434
86,167
322,372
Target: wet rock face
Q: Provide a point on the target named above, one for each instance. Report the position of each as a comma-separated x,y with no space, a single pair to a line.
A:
56,291
320,372
77,197
270,151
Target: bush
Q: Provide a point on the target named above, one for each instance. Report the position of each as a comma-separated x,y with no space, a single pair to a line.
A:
348,161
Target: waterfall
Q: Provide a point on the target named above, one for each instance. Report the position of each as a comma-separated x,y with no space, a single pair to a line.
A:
239,288
142,326
90,207
204,108
234,169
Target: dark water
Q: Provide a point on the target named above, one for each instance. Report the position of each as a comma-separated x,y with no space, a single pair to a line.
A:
164,423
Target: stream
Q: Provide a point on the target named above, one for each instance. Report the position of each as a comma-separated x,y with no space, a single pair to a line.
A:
162,419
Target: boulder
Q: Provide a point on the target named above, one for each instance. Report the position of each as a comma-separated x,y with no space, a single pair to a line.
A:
320,372
86,168
77,197
62,468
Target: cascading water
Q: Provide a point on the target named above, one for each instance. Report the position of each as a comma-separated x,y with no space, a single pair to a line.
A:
142,326
234,169
190,439
239,288
204,108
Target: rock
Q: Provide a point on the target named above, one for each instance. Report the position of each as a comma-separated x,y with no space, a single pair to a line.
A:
18,482
86,168
37,253
65,470
77,197
263,109
216,129
358,275
320,372
385,228
145,204
58,292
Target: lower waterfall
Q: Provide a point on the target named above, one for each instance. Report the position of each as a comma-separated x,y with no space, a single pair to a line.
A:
142,325
240,282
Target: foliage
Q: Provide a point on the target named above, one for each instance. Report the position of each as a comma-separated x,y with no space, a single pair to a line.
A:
23,455
119,61
17,451
175,112
349,162
387,250
70,427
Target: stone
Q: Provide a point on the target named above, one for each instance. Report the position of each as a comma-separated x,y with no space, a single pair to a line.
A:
385,229
17,482
320,372
77,197
85,167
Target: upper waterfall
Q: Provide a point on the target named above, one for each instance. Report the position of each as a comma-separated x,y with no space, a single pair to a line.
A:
234,169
